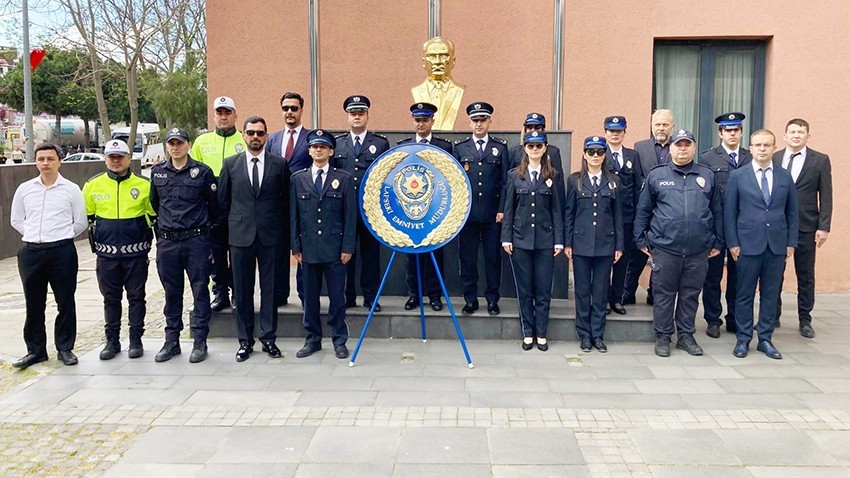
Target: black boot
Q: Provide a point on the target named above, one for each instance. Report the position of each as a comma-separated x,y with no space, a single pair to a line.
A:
111,349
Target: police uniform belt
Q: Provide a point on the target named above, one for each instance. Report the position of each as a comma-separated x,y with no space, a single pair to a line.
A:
181,235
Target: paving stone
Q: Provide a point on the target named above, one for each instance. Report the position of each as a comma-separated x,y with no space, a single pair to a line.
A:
613,386
836,443
352,470
408,470
421,399
623,400
797,471
510,446
443,445
264,445
320,383
506,384
152,470
540,471
683,386
774,447
177,445
831,385
195,382
515,399
423,384
237,398
249,470
36,396
130,382
676,471
122,396
336,398
673,447
353,445
764,401
767,385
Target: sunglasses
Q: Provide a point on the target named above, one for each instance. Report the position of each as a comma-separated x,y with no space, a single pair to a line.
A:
535,145
257,133
289,108
595,152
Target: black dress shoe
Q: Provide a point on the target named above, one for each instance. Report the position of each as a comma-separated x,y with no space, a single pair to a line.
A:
67,357
741,349
271,348
368,305
527,346
767,347
599,345
662,346
542,347
493,308
350,303
244,352
807,331
607,309
470,307
628,299
110,350
341,351
220,302
199,352
585,344
412,303
308,350
689,345
713,331
618,308
168,350
436,304
28,360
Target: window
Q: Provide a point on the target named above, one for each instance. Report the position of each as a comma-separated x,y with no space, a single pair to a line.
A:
699,80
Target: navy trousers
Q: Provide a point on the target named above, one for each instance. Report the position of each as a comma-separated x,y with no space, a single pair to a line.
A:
620,268
711,303
473,234
676,284
764,270
370,266
334,274
590,275
193,257
114,276
533,271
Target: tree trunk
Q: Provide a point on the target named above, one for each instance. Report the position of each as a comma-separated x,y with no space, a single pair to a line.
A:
133,99
97,77
86,135
57,129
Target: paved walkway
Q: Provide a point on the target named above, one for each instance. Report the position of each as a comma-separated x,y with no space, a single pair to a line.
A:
410,409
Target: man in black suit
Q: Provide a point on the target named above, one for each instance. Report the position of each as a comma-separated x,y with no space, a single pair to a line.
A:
723,159
324,232
537,122
760,217
355,151
289,143
625,163
423,117
652,152
812,174
253,192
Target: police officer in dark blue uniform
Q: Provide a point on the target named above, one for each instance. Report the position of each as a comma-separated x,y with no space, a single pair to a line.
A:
355,151
722,160
485,160
537,122
679,224
625,164
323,217
593,222
423,116
183,194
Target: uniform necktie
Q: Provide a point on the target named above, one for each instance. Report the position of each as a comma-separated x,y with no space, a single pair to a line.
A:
290,145
596,182
255,176
319,181
423,141
480,148
617,161
534,178
357,145
791,161
734,157
765,189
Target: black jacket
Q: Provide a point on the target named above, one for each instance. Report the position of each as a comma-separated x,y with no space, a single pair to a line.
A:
593,217
373,146
534,218
487,173
323,227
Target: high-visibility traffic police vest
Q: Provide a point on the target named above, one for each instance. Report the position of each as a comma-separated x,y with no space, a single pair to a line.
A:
120,212
211,148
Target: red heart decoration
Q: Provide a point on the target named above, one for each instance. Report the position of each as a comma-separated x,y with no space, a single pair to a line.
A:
36,56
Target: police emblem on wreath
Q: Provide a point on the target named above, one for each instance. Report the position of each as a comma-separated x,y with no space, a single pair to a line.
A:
134,193
415,198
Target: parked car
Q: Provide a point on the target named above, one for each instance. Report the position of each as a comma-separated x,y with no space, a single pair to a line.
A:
84,157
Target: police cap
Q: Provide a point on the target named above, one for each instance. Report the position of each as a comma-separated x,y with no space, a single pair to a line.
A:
356,103
321,136
422,110
479,110
730,120
615,123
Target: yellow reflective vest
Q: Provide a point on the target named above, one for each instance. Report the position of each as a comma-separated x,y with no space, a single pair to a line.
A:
120,212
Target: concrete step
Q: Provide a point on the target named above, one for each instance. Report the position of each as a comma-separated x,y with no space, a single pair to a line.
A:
395,322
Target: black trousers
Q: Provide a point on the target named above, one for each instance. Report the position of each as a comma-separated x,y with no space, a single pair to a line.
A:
533,273
41,265
486,234
370,266
281,277
637,262
676,283
222,275
193,257
430,283
590,275
114,276
334,274
246,261
620,268
764,270
711,303
804,267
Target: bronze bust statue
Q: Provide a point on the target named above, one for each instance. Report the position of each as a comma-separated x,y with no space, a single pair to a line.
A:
438,59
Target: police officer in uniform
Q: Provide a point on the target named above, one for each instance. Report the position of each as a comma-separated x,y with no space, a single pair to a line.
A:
184,197
323,207
355,151
722,160
679,224
625,164
119,210
211,149
485,160
423,116
537,122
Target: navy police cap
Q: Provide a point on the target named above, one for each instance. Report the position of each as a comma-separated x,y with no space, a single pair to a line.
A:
481,109
321,136
535,137
177,133
615,123
682,134
534,119
594,142
356,103
423,110
730,120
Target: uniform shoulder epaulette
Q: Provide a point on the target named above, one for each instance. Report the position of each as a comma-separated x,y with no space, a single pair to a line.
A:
342,171
201,165
299,172
499,140
341,135
512,170
380,135
462,140
405,140
442,139
96,175
706,151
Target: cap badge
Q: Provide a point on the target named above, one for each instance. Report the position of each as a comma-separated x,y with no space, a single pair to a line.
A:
477,106
534,116
732,116
682,132
420,106
319,132
221,100
596,138
175,130
615,120
466,166
335,183
356,98
194,172
134,193
372,149
534,134
701,181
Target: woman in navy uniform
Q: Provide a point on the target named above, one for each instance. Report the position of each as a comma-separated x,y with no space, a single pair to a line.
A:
593,220
533,234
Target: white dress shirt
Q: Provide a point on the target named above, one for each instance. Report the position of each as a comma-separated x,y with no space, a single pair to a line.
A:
315,172
798,162
736,151
598,177
249,161
769,174
354,137
420,138
48,214
619,156
295,134
475,140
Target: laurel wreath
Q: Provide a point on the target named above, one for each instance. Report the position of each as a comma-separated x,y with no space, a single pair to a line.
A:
449,226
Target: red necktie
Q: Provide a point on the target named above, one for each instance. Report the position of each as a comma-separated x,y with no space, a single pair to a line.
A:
290,145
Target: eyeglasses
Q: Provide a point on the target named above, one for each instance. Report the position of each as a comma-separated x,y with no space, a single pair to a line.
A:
534,145
289,108
257,133
595,152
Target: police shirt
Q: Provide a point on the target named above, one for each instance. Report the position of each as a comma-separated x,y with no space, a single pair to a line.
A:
184,198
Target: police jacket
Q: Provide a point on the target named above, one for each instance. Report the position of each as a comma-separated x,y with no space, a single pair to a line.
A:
213,147
554,159
533,215
373,146
436,141
487,171
120,212
593,217
630,181
323,226
721,165
680,210
184,198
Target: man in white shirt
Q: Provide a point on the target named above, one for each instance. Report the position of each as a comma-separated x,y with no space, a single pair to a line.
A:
49,212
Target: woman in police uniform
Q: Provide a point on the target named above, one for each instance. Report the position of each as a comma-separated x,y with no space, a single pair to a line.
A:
593,220
533,234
